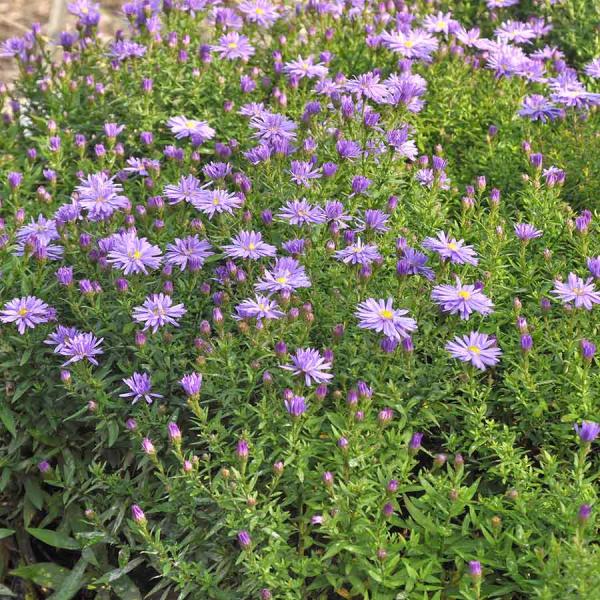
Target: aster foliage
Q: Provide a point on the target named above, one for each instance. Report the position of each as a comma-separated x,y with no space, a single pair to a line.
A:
298,300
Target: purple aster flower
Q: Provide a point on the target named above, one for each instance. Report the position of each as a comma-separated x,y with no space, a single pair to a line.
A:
16,47
189,252
286,275
273,128
44,230
158,310
360,184
261,12
526,232
398,140
593,265
300,212
60,337
140,386
380,316
249,244
183,127
233,45
592,69
192,384
348,149
25,312
581,293
123,49
261,307
305,67
588,349
217,201
100,196
479,349
336,215
244,540
358,254
516,32
539,108
309,363
475,569
296,406
553,175
302,172
83,346
216,170
87,13
134,255
187,189
373,220
452,249
295,247
415,263
368,86
462,299
417,44
406,89
588,431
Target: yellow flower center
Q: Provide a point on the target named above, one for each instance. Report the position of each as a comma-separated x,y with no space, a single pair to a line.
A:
578,291
22,312
262,306
232,45
281,279
190,124
409,44
251,246
384,313
137,255
464,294
260,11
215,201
474,350
452,246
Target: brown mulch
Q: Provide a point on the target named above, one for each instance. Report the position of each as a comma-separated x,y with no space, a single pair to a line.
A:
17,16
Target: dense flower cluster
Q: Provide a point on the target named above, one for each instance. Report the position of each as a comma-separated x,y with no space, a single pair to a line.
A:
267,290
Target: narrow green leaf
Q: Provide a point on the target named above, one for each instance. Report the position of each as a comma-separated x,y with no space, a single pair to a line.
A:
53,538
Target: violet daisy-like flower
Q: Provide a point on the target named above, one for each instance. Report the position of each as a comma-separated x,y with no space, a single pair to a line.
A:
373,220
183,127
308,363
456,251
296,406
25,312
189,252
100,196
305,67
273,128
539,108
140,386
382,317
261,307
592,69
581,293
358,254
302,172
123,49
526,232
300,212
83,346
60,337
158,310
415,263
479,349
131,254
249,244
588,431
462,299
187,189
192,384
593,264
368,86
261,12
43,230
217,201
286,275
417,44
232,45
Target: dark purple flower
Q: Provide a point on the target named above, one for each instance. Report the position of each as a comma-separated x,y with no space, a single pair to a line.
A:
140,386
588,431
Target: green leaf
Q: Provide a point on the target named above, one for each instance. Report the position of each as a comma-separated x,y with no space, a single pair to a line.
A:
113,433
125,589
53,538
33,491
72,583
118,573
8,419
4,591
44,574
4,533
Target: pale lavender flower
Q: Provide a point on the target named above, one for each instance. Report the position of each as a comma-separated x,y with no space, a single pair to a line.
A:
308,363
415,263
158,310
83,346
373,220
249,244
380,316
131,254
305,67
187,189
260,307
60,337
287,274
140,386
261,12
358,254
417,44
100,196
232,45
296,406
300,212
273,128
25,312
192,384
592,69
302,173
216,201
189,252
368,86
539,108
526,232
479,349
183,127
462,299
450,248
581,293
